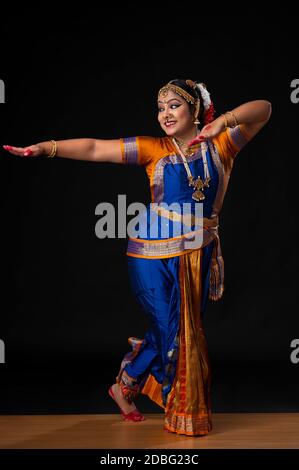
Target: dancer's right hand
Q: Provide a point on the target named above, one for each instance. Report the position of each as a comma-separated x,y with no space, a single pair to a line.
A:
31,151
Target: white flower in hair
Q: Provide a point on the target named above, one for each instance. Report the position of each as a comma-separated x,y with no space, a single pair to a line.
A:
205,95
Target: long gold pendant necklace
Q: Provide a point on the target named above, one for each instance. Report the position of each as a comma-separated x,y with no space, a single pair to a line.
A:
198,184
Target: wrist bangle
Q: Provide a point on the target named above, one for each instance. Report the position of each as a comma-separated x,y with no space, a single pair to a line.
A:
234,117
225,119
54,149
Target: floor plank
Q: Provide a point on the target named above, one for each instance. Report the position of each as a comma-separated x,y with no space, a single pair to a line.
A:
108,431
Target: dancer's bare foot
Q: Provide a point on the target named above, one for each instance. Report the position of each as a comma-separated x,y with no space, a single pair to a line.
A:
120,399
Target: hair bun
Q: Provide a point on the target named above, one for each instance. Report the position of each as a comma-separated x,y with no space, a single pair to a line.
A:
191,83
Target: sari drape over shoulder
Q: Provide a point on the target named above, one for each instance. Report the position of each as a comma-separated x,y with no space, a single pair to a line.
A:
173,279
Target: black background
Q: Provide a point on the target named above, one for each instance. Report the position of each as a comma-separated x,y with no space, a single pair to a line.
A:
66,304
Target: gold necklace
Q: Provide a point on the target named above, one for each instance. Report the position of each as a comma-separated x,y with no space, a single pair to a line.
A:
198,184
188,151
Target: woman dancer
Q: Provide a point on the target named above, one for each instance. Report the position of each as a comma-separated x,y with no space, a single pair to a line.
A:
173,272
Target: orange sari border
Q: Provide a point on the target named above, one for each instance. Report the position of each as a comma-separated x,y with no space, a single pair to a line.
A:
188,407
153,390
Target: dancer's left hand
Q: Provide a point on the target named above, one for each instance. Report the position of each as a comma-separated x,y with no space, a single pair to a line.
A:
210,130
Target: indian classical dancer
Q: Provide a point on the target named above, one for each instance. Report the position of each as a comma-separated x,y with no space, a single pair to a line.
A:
173,272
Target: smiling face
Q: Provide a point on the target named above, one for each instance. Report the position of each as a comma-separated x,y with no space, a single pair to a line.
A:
174,109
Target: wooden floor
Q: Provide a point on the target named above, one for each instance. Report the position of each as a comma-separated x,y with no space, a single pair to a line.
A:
108,431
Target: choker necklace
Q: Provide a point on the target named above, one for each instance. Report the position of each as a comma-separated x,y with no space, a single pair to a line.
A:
189,150
198,184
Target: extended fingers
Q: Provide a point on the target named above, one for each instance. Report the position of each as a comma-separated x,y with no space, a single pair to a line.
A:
197,140
19,151
13,150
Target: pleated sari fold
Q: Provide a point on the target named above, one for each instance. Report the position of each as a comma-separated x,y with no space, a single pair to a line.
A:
188,408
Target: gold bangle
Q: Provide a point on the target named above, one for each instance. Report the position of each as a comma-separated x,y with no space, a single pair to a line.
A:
54,149
235,119
225,118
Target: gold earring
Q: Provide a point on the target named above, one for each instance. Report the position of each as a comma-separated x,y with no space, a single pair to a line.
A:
196,113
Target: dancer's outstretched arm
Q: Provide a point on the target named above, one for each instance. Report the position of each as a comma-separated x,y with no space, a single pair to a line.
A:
96,150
